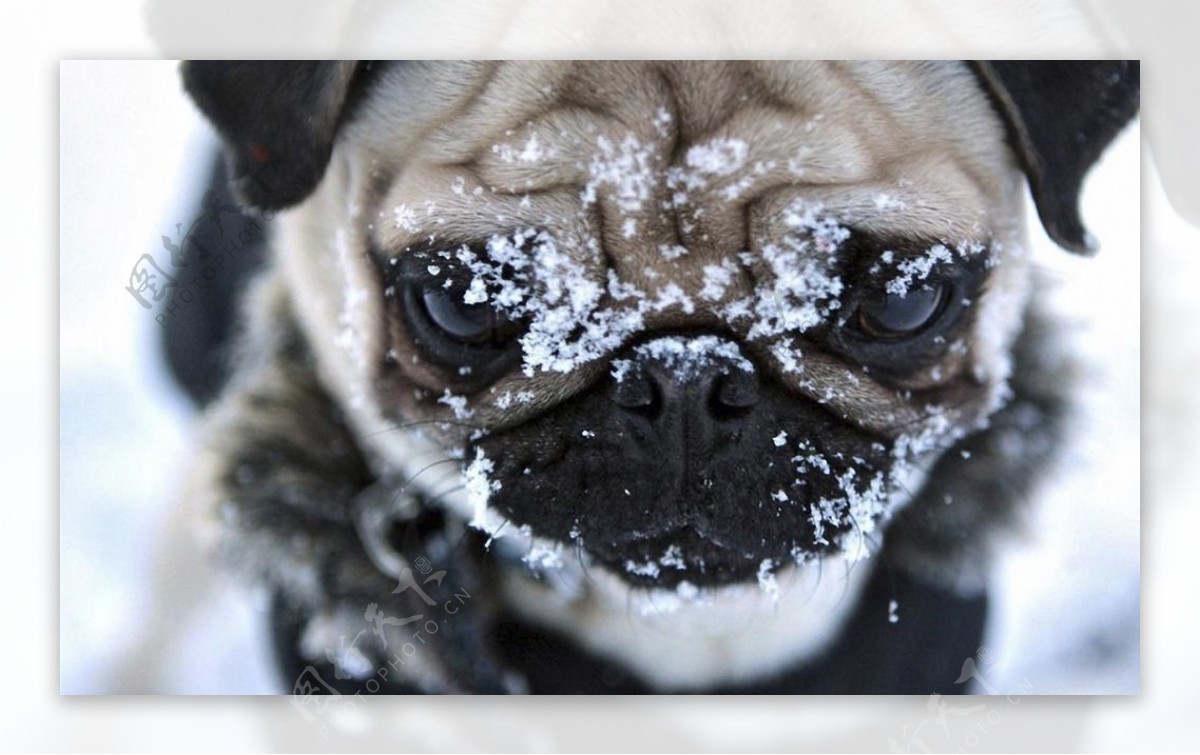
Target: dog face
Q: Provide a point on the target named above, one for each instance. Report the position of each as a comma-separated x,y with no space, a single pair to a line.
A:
708,322
689,322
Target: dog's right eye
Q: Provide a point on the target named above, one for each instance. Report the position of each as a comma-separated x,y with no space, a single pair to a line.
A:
451,319
467,338
474,324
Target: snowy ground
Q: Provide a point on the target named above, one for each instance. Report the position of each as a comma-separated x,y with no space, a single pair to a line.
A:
133,593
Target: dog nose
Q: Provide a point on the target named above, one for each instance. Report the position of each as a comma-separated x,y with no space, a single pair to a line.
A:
700,379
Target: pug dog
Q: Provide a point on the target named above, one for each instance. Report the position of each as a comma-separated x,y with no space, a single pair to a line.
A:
652,376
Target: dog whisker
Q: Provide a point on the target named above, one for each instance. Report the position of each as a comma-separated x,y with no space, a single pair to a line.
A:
404,486
442,495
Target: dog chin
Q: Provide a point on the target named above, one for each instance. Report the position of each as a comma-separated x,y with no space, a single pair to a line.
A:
676,634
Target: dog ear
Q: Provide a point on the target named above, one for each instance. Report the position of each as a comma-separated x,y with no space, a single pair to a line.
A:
277,119
1060,116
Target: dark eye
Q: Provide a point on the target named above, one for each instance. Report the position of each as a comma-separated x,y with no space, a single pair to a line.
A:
468,323
450,319
890,316
475,324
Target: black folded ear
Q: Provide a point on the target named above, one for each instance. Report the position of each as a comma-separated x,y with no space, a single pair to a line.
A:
1060,116
277,118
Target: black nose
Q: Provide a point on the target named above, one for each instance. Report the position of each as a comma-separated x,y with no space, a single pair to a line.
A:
700,382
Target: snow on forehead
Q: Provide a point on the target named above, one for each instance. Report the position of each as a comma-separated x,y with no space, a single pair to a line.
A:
574,317
624,172
919,268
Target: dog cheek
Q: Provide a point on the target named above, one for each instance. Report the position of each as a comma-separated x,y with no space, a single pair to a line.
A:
336,294
998,321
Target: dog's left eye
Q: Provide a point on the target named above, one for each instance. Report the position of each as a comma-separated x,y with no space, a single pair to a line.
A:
890,316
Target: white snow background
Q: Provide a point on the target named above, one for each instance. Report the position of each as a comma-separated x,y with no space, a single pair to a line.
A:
140,609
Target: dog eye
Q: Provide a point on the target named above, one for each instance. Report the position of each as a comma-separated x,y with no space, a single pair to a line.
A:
475,324
889,316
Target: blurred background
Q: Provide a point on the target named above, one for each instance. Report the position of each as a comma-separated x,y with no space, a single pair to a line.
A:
139,610
135,590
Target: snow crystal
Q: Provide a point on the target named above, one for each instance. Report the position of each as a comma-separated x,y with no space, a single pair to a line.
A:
716,158
796,164
817,460
457,404
544,556
886,202
893,617
531,152
479,488
854,547
739,187
508,399
716,280
406,218
620,368
671,295
780,439
919,268
934,432
621,291
672,251
624,170
662,119
788,357
817,518
766,579
719,157
673,557
648,569
685,356
867,503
